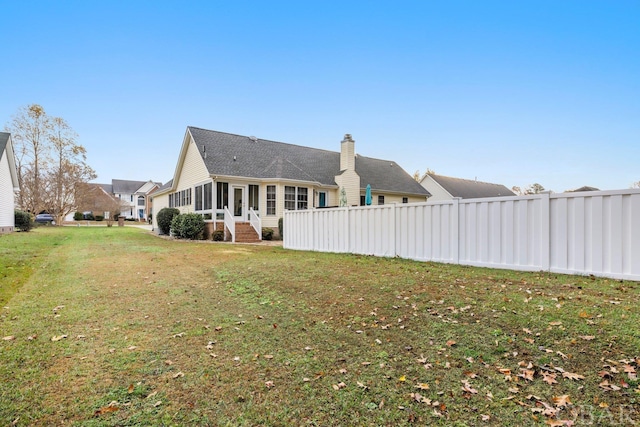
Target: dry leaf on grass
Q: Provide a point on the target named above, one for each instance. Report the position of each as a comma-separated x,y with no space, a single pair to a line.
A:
572,376
58,338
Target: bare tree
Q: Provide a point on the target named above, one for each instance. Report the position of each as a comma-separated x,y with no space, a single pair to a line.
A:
635,184
29,130
528,190
419,177
49,161
68,170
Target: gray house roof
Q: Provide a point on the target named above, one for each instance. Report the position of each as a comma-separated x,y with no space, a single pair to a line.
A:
469,189
242,156
4,138
123,186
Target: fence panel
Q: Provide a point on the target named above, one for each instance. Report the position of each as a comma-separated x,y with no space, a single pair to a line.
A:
576,233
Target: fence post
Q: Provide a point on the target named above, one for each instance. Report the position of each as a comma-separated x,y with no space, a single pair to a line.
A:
545,230
455,226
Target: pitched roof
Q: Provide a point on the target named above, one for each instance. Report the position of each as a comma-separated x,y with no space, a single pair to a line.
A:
242,156
585,188
4,138
469,189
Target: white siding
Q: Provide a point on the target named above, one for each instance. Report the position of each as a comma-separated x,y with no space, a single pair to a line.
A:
7,196
437,192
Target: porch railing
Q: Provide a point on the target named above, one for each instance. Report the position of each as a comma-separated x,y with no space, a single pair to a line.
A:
255,222
229,225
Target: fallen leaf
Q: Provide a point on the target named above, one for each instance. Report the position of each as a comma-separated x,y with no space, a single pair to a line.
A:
58,338
178,375
587,337
268,356
451,343
527,374
130,389
402,378
269,384
562,401
422,386
158,403
133,347
9,338
549,378
106,410
572,376
485,417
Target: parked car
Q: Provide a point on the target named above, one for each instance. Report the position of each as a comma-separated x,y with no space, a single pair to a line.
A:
45,219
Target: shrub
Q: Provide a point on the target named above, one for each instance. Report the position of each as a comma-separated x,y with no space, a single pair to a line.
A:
23,220
267,233
188,226
280,227
218,235
99,218
165,216
78,216
89,217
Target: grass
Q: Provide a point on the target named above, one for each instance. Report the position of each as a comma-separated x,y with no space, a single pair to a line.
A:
161,332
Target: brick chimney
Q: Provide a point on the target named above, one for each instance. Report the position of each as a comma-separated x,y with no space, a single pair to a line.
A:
347,154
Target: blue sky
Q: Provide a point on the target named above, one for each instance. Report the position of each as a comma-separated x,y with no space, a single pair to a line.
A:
502,91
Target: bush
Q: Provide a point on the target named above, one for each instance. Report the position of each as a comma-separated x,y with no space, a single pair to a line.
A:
188,226
218,235
23,220
164,218
89,217
99,218
280,227
78,216
267,233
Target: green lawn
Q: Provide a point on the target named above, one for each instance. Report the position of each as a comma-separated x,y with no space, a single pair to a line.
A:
117,327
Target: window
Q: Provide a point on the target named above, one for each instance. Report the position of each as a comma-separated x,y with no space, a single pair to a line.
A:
381,200
363,200
405,200
207,196
170,200
290,198
132,197
271,199
222,198
296,198
303,198
254,197
140,201
198,197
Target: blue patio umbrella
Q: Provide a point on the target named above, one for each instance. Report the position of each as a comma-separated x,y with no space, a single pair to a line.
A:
367,197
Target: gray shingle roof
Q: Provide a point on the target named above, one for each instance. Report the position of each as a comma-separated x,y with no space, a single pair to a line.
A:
123,186
469,189
242,156
4,138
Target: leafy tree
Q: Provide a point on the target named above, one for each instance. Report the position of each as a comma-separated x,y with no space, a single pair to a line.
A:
96,199
51,165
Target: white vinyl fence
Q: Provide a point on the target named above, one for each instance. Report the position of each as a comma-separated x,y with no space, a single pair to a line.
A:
575,233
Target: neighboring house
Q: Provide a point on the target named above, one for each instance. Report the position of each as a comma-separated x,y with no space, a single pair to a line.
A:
217,170
8,184
448,188
134,197
585,188
136,203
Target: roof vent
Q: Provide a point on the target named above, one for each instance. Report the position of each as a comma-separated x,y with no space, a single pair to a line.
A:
253,138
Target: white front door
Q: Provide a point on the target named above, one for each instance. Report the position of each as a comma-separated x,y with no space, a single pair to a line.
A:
239,204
